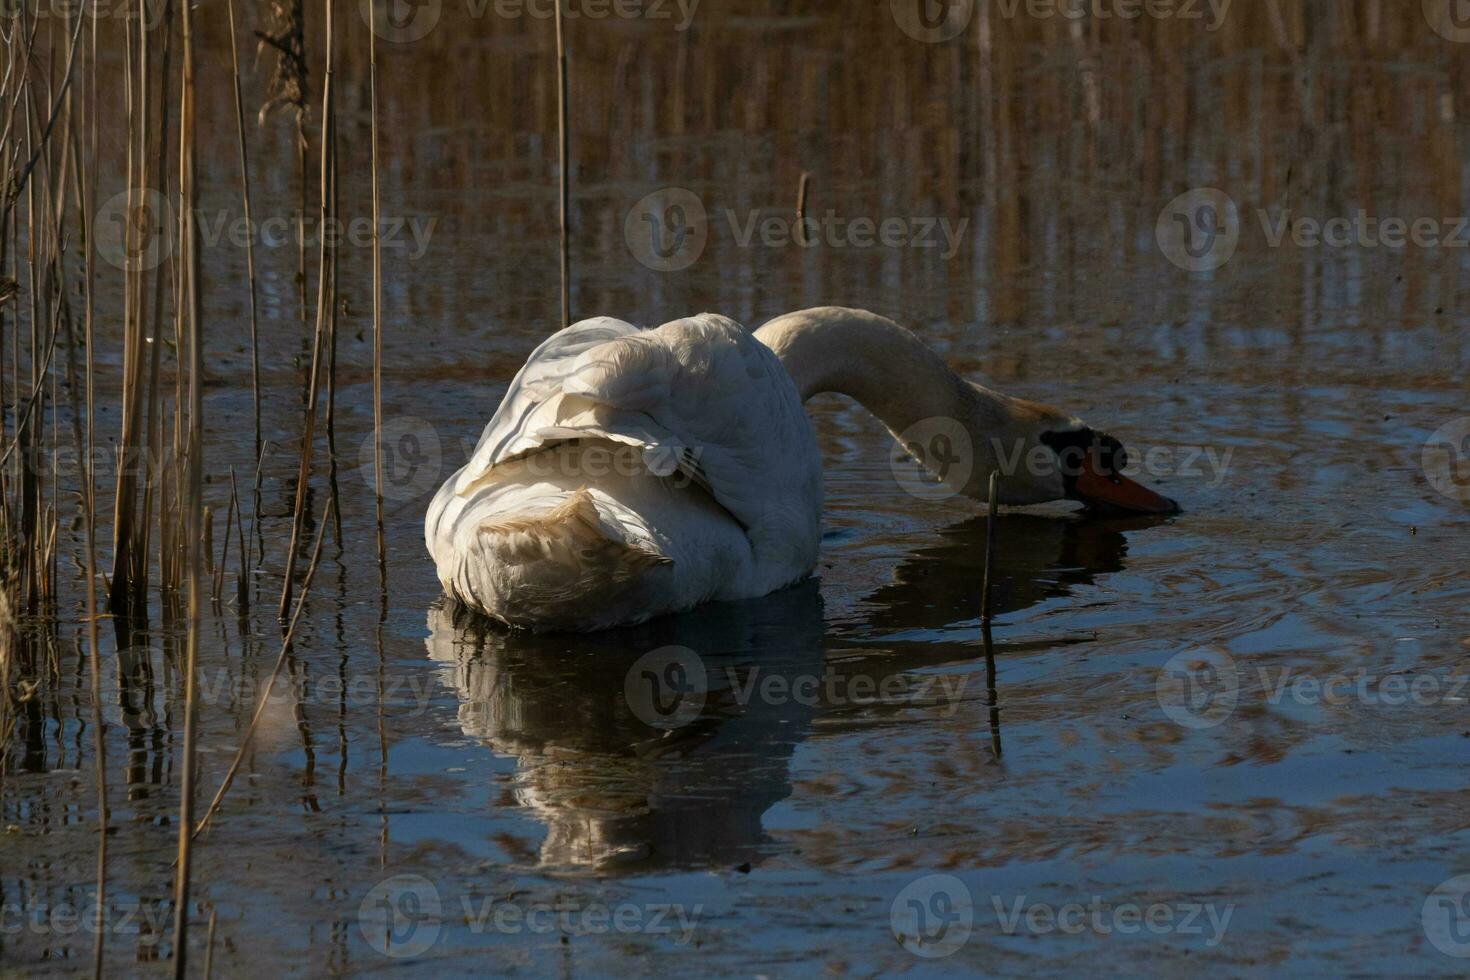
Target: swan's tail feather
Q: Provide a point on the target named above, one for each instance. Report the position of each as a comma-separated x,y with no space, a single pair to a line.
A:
572,535
546,565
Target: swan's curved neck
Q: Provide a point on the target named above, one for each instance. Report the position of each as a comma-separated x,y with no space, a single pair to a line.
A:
892,373
900,380
868,358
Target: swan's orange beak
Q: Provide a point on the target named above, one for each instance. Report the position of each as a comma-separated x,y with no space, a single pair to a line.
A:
1118,492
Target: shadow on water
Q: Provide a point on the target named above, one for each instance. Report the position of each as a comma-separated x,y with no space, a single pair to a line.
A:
663,745
1036,558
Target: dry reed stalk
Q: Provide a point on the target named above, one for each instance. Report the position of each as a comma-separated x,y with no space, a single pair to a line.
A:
26,429
208,532
87,207
801,186
990,689
188,203
84,443
989,545
257,537
329,149
324,302
224,559
45,250
378,307
247,559
563,144
7,656
141,426
58,98
209,944
124,562
250,238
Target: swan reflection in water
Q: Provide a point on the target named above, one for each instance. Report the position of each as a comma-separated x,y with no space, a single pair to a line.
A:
622,787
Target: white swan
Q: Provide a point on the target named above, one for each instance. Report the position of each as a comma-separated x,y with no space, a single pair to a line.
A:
631,473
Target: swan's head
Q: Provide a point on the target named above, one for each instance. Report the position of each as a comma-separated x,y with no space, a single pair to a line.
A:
1044,454
1091,464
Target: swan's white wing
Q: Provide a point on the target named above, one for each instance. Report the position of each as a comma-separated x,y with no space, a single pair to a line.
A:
698,394
539,379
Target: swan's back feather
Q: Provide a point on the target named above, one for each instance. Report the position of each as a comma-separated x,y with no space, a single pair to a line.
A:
699,395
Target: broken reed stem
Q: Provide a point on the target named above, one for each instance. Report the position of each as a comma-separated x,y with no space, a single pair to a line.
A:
224,559
257,538
990,690
209,944
801,238
208,525
989,546
378,302
241,600
303,473
563,143
264,701
249,238
188,201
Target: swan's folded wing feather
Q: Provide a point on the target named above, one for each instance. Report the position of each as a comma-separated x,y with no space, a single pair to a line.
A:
698,394
540,379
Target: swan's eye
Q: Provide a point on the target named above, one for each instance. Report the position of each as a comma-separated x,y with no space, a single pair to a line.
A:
1076,446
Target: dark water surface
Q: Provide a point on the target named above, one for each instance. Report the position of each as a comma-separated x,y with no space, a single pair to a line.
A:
1157,744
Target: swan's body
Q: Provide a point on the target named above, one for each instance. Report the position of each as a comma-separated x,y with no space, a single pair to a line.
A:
632,473
629,473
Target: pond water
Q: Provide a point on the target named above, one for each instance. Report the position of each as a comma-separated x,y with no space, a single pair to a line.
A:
1228,740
